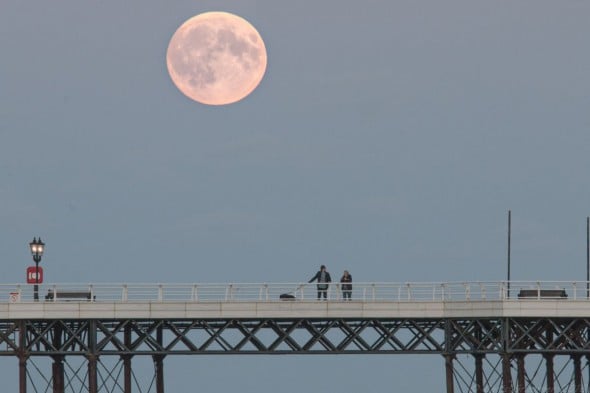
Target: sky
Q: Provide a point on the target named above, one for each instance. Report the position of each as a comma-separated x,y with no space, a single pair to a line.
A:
388,138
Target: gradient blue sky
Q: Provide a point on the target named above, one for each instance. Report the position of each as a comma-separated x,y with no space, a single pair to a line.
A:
389,138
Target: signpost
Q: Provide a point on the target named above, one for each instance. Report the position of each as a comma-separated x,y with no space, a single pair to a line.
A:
34,275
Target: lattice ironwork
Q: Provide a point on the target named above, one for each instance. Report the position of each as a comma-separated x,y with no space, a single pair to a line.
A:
481,354
528,373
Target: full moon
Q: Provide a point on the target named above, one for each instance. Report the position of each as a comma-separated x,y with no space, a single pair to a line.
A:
216,58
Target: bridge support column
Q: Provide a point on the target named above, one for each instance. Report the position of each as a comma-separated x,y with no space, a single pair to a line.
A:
58,374
126,373
159,362
57,368
92,357
22,357
479,373
92,373
449,373
506,357
506,374
549,363
550,373
521,374
159,369
127,360
22,373
577,373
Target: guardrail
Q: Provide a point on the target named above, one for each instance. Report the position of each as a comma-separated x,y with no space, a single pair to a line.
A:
266,292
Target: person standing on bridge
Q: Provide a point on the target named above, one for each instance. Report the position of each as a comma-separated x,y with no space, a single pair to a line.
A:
323,278
346,285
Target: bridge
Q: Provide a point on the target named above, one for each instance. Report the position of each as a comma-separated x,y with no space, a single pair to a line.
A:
491,336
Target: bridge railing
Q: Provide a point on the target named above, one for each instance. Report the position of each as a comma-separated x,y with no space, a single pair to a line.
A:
266,292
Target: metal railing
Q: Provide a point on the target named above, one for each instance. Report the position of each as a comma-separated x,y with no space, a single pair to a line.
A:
267,292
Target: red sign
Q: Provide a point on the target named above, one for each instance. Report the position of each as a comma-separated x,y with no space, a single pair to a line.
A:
32,277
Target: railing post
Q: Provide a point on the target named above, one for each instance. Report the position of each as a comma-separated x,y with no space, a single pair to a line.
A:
195,294
160,293
125,293
229,293
91,290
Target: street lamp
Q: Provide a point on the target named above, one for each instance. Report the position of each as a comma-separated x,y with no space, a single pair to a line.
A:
37,247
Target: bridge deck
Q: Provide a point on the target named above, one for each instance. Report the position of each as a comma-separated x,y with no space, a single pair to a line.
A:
308,309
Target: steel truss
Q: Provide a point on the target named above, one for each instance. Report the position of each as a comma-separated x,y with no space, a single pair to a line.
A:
481,354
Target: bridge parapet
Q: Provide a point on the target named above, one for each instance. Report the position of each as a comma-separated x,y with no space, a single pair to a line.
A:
271,292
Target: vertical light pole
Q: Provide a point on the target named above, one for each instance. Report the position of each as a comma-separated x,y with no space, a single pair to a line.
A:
509,233
37,247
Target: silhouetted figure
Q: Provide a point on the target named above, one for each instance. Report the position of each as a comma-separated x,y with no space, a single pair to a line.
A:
346,285
323,278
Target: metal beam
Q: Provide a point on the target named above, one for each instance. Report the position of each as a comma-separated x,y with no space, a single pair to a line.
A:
505,339
449,374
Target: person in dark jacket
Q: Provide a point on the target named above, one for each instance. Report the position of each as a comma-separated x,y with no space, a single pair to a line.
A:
323,278
346,285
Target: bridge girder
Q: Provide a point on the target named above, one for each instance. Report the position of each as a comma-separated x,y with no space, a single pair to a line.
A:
63,337
497,347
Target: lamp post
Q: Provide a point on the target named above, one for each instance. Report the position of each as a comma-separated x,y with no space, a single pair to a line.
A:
509,235
37,247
